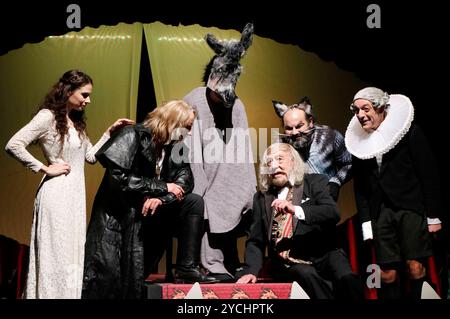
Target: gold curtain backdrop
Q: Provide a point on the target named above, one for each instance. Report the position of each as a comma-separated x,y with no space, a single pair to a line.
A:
178,55
111,56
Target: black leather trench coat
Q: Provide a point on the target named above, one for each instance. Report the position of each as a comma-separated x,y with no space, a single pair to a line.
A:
114,250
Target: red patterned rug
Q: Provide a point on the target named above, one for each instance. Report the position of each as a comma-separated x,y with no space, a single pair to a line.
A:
222,291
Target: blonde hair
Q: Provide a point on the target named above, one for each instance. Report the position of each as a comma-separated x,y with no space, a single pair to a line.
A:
163,120
298,170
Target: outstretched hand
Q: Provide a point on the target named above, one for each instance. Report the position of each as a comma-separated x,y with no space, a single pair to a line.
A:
434,228
120,123
249,278
150,204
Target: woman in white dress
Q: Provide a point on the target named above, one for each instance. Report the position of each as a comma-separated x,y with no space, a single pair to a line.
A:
59,218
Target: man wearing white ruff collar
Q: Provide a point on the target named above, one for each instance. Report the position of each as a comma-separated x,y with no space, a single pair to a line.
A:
396,186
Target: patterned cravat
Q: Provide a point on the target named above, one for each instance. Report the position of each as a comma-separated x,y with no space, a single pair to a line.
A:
282,233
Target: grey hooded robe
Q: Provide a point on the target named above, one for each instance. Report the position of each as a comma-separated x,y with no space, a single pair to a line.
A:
224,174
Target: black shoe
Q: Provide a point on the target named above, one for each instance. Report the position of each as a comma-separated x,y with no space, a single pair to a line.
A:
223,278
192,275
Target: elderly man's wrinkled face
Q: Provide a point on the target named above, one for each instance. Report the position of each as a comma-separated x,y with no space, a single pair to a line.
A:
280,165
369,117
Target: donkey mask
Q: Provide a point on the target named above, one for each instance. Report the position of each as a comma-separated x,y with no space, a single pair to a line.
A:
222,72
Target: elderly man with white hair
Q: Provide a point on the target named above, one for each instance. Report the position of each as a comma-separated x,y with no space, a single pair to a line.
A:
396,186
295,217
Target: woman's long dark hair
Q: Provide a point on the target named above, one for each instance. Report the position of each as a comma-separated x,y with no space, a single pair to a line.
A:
56,101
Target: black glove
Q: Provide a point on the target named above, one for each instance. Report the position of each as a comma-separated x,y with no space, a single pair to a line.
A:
334,188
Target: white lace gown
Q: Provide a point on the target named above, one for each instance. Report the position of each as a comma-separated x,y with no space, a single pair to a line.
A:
59,219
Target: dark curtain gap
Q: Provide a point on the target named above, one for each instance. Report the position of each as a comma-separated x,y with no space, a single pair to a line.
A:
146,100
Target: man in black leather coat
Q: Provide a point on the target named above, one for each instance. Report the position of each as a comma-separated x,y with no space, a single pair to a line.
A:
143,175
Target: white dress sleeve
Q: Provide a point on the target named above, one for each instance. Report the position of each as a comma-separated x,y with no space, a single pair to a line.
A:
91,150
36,129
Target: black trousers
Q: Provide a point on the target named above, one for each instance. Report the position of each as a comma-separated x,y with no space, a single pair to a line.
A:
228,242
329,277
165,224
122,250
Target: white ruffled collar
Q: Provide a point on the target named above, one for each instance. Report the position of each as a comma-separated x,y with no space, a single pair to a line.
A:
398,120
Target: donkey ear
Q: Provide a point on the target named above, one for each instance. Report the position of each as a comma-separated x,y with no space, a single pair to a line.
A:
280,108
214,43
247,36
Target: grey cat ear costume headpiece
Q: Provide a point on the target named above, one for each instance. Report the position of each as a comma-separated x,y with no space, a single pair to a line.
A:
304,104
223,71
301,140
